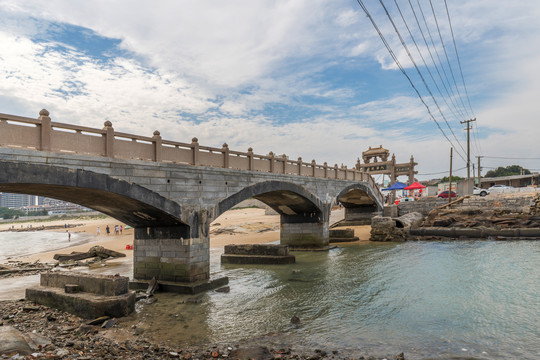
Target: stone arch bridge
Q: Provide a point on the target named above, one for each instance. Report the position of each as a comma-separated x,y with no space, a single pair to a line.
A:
169,192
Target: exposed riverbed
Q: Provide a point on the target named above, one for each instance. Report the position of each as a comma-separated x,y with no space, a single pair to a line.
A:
473,299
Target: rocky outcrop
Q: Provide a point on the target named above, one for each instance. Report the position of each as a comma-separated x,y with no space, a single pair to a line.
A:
385,229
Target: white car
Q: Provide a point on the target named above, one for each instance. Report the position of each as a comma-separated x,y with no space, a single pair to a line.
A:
494,187
481,192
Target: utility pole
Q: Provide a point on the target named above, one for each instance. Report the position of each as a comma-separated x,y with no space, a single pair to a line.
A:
450,181
468,146
479,168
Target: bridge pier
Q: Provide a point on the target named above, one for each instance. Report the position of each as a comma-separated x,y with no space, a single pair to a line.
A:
304,232
170,254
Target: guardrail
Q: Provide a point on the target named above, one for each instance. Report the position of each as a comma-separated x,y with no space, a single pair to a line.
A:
46,135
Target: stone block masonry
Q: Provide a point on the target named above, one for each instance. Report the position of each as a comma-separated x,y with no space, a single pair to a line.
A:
85,295
257,254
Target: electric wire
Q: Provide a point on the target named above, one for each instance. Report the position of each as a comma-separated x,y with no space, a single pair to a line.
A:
475,128
424,60
449,89
428,47
443,172
446,55
419,72
383,39
458,60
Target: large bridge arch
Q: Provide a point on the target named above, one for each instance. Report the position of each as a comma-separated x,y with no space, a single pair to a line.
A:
130,203
303,216
284,197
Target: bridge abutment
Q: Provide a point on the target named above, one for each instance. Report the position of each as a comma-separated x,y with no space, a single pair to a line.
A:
170,254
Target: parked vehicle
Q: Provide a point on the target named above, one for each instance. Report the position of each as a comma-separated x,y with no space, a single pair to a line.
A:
444,194
494,187
481,192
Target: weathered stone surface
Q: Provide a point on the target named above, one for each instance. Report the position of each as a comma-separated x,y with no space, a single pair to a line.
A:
12,342
385,229
108,285
342,235
410,220
85,305
257,249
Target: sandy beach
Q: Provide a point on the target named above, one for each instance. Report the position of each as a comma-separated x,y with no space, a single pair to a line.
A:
239,226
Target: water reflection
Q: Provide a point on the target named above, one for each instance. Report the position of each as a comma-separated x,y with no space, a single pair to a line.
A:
476,299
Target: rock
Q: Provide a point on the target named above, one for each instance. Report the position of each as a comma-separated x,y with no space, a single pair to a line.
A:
400,356
62,352
258,352
85,329
12,342
295,320
224,289
30,308
36,341
109,323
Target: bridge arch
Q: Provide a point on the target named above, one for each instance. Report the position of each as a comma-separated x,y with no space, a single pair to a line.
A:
130,203
288,199
359,195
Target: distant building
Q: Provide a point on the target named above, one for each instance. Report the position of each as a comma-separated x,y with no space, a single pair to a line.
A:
513,180
14,201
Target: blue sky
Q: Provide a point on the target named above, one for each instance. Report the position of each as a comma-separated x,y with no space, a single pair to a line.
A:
310,79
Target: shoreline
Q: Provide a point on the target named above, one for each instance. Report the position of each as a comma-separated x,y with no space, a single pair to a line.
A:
238,226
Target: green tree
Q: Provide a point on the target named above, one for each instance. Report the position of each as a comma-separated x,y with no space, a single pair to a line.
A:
6,213
508,171
455,179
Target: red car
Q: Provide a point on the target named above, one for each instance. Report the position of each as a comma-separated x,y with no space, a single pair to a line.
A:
444,194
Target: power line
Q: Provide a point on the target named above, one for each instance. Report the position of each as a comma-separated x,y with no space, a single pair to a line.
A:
402,69
428,47
419,72
446,54
457,57
448,89
442,172
422,57
509,158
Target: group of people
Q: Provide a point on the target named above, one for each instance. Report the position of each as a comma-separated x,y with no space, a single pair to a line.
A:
117,230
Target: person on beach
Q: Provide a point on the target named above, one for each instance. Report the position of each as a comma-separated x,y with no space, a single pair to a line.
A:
98,232
121,229
69,235
107,230
115,229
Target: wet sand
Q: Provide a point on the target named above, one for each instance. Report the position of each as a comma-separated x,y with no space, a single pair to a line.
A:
240,226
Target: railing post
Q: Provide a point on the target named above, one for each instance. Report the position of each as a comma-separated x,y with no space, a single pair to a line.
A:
195,151
313,163
157,146
336,169
109,139
344,167
250,159
325,169
271,159
225,151
299,166
284,157
46,129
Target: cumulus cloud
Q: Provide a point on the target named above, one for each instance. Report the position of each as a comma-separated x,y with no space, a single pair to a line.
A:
295,77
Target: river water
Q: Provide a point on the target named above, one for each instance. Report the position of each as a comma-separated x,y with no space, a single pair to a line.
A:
460,299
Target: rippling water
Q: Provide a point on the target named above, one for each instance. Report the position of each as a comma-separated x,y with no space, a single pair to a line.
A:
461,299
475,299
13,244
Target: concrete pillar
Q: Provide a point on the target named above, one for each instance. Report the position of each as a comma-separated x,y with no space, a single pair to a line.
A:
170,254
157,146
304,232
46,130
360,215
109,139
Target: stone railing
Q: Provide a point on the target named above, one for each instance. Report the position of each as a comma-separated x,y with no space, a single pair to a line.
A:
46,135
